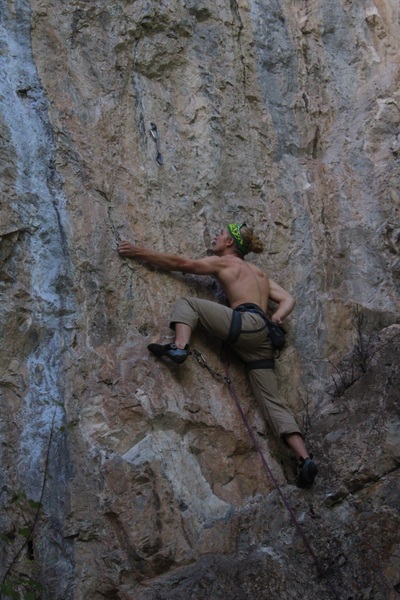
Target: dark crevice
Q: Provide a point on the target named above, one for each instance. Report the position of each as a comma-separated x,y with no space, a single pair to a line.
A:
315,143
29,550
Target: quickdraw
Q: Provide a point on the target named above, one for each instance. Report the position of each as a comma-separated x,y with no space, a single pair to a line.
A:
204,365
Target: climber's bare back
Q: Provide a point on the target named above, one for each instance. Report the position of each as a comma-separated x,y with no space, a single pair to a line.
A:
243,282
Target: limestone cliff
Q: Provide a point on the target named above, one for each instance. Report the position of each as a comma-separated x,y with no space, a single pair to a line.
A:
123,477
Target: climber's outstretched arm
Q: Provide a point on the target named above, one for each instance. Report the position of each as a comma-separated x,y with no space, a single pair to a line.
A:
210,265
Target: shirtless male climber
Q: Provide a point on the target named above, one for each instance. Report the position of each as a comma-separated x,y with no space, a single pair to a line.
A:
242,325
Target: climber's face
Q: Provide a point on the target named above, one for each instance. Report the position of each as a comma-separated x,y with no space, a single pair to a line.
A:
222,241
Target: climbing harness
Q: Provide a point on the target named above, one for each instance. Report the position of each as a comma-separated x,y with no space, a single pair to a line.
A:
227,379
156,137
275,331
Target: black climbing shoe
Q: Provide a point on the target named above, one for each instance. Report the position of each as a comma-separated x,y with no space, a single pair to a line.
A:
178,355
306,472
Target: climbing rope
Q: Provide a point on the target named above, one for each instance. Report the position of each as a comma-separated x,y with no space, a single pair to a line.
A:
227,380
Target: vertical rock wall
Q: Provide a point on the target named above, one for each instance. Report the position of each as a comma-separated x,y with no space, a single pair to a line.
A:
284,114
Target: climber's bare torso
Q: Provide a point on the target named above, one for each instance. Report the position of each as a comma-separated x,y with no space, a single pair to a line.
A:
242,282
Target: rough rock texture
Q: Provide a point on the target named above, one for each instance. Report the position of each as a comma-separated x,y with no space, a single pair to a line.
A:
123,477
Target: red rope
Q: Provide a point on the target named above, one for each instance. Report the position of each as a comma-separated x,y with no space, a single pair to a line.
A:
273,478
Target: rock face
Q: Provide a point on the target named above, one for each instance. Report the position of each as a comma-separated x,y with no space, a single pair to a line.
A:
124,477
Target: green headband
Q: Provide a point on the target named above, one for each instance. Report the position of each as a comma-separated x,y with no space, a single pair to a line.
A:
234,232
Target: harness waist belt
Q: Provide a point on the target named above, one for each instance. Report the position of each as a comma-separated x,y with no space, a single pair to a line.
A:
250,307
